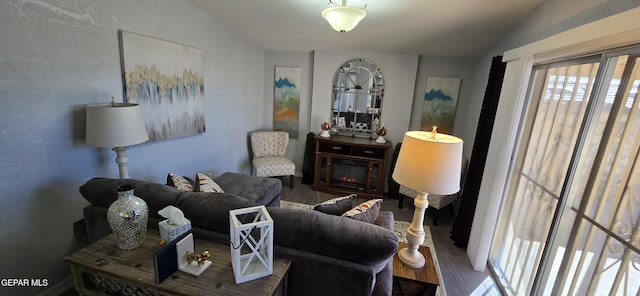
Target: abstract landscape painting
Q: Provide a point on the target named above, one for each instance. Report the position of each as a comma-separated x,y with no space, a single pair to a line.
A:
167,80
287,100
439,108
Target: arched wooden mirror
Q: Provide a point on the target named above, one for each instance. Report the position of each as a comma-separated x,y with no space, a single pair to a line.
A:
357,98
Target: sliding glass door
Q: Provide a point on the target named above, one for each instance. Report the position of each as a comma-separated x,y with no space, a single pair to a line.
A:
569,223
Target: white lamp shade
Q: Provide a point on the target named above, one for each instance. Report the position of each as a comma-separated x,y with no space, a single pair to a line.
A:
429,165
343,18
115,126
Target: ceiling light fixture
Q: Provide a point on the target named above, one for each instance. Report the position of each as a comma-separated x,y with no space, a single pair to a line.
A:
343,18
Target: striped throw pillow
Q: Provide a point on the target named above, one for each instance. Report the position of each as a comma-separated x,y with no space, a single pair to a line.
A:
179,182
205,184
367,211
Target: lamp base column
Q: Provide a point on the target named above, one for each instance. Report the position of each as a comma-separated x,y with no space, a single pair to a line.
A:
415,234
411,257
122,160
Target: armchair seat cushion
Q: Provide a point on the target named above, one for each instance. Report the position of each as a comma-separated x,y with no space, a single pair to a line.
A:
273,166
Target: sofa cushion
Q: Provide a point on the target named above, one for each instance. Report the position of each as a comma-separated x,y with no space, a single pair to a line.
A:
366,211
260,190
333,236
336,206
210,210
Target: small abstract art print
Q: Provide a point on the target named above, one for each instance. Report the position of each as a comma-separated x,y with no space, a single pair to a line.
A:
440,100
167,80
286,106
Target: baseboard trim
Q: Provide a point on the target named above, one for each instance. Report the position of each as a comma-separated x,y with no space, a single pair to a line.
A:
60,288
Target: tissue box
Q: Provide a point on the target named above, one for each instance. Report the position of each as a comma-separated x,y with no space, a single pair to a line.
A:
170,232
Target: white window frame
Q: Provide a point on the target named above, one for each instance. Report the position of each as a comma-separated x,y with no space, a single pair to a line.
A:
615,31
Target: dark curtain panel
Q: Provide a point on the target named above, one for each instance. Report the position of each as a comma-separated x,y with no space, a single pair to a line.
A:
462,225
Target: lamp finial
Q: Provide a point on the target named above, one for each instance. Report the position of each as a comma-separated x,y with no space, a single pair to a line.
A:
434,132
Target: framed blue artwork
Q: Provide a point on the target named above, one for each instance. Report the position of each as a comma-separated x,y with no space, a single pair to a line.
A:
286,105
440,100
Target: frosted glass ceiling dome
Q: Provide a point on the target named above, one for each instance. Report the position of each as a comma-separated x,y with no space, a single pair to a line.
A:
343,18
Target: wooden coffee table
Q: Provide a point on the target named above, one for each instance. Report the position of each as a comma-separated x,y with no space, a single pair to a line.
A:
416,281
102,264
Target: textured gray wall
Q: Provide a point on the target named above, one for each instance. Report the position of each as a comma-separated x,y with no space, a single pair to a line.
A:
446,67
303,60
399,71
56,56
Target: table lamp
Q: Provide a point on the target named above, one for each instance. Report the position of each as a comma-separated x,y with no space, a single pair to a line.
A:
428,162
116,125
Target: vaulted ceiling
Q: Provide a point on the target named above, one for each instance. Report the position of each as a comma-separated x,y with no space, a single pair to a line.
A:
458,28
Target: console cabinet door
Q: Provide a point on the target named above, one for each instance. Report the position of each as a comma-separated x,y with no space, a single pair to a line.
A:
323,169
375,184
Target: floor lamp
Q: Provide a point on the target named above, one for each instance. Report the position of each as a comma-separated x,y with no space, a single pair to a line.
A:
428,162
116,125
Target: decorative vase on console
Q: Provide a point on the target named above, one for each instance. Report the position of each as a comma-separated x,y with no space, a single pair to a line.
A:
381,131
325,126
127,218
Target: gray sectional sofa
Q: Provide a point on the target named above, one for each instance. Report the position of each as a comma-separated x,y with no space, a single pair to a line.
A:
331,255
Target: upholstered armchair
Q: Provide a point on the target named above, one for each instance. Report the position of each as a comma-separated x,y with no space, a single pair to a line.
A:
437,202
268,149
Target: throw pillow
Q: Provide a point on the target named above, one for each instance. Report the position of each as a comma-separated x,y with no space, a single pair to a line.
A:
336,206
206,184
180,182
367,211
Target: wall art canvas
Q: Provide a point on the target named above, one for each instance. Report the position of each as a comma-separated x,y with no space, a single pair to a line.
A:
287,100
167,80
440,100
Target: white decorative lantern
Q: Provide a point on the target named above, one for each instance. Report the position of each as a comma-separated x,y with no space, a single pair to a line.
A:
251,231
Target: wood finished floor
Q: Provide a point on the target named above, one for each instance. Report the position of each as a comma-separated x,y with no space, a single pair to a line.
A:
459,277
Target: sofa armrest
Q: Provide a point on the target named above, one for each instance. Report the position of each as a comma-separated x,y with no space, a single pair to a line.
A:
95,221
334,236
384,278
313,274
80,232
